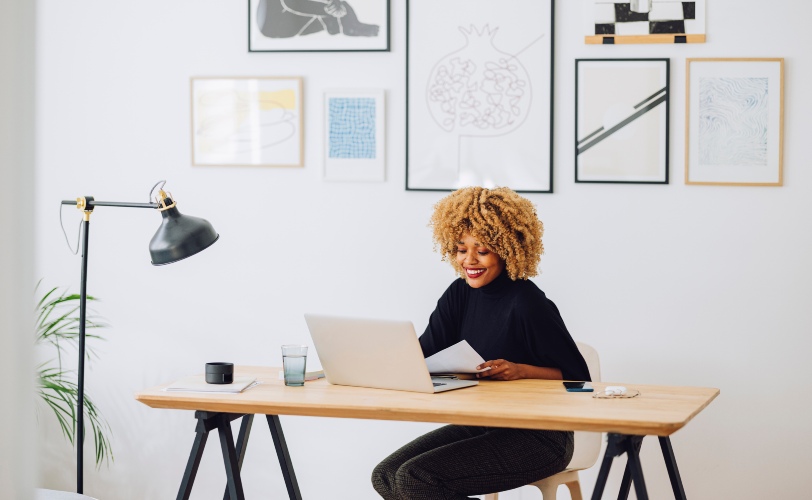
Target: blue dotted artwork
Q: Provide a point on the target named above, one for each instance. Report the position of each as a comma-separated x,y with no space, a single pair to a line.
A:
352,127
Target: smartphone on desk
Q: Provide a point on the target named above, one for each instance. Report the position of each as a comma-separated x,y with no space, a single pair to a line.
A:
578,386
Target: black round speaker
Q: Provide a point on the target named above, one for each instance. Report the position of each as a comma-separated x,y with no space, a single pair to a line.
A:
219,373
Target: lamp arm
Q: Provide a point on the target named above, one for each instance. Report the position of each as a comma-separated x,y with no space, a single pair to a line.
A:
88,203
124,204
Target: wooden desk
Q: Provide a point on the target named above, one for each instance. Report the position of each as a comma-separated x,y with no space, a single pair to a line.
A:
529,404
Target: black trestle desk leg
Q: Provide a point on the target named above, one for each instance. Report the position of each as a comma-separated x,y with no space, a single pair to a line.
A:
603,474
230,458
242,444
671,465
626,484
616,445
633,452
284,457
201,435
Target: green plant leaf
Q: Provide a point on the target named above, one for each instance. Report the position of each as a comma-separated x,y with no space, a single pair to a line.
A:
57,325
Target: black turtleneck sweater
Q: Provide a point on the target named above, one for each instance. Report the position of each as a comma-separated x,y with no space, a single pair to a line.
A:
505,319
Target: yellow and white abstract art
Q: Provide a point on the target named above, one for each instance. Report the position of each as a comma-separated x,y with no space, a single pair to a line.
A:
247,121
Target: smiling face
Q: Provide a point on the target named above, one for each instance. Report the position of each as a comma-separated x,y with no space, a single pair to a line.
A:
480,265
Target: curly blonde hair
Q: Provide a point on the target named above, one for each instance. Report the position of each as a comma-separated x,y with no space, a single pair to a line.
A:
498,218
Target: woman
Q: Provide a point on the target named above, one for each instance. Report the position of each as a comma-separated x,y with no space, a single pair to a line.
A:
493,240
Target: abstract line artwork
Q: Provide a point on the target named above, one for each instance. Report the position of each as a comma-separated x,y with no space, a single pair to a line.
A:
646,21
638,110
352,127
479,89
354,135
483,90
734,121
247,121
621,128
318,25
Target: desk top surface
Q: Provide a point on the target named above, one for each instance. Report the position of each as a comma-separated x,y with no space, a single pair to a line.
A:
530,404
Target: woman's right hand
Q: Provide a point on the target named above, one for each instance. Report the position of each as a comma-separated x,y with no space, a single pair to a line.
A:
501,369
505,370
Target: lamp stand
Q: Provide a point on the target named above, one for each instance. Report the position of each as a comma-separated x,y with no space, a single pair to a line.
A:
178,237
87,204
80,398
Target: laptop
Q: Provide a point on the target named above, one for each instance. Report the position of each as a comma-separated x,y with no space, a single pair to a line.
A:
374,353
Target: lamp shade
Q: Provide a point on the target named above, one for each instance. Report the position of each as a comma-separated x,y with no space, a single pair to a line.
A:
180,236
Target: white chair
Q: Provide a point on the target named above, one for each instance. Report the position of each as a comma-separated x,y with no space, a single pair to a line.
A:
40,494
587,446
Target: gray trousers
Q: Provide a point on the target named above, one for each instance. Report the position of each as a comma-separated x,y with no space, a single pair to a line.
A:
455,461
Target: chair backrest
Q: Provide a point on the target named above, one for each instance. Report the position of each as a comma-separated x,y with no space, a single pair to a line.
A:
43,494
593,362
587,444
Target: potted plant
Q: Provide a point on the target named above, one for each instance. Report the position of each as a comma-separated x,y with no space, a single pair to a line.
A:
57,329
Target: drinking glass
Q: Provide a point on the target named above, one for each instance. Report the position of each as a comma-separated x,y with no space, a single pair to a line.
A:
294,360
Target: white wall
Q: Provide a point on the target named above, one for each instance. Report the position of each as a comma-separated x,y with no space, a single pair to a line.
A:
673,284
17,431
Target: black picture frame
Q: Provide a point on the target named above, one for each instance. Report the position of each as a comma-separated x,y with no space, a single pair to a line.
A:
622,114
516,154
309,27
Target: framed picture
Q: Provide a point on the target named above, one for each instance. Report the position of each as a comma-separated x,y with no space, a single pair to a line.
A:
644,21
247,121
318,25
479,79
734,122
621,120
354,135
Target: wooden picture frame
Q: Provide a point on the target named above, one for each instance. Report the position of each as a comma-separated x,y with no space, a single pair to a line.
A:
354,135
734,116
479,85
318,25
622,120
247,121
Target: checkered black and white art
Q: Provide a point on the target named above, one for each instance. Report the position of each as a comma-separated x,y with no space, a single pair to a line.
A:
647,17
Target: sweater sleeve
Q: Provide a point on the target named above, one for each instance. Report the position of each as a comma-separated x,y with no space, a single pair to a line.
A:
443,328
549,341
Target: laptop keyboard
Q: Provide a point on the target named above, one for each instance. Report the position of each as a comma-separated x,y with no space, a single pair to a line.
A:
437,384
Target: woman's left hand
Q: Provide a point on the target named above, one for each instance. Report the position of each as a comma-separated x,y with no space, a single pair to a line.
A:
501,369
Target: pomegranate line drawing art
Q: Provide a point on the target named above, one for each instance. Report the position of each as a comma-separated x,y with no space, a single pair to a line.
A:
479,90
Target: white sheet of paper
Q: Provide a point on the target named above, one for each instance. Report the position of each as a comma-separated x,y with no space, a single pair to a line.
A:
197,383
459,358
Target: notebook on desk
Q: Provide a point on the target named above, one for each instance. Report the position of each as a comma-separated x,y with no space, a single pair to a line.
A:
374,353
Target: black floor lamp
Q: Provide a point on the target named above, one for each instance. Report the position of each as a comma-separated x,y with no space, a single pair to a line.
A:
179,236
